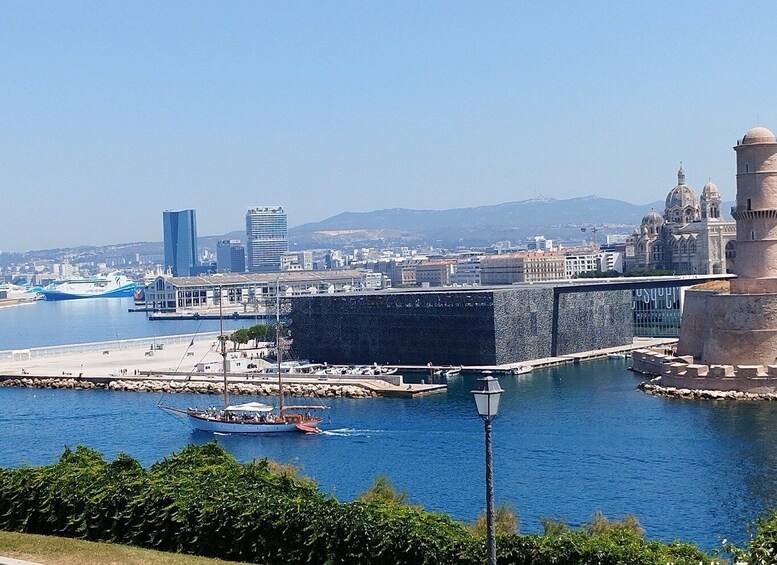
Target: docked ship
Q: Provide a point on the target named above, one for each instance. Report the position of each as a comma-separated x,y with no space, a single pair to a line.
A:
111,285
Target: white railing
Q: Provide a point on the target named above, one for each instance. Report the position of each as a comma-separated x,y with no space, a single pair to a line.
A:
111,345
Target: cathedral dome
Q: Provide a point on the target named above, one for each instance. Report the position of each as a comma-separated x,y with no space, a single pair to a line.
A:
651,224
653,217
758,135
681,196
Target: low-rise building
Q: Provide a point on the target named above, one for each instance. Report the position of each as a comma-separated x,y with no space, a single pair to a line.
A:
171,294
577,263
467,271
529,266
435,273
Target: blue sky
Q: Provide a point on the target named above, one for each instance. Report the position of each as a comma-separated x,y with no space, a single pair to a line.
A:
111,112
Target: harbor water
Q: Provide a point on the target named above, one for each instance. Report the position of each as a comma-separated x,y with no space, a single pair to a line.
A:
568,441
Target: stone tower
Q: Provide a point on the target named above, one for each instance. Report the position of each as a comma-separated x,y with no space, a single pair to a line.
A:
738,326
756,213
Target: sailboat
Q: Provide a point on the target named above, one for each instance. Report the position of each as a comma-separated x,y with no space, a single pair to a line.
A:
251,417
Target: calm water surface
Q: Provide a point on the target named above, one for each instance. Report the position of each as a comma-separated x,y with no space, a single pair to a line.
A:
97,319
568,441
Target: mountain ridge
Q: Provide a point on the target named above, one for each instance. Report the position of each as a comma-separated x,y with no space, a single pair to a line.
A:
477,226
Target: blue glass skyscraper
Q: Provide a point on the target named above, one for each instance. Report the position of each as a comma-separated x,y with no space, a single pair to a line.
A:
180,242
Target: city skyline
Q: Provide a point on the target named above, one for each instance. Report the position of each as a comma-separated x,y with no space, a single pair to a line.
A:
360,107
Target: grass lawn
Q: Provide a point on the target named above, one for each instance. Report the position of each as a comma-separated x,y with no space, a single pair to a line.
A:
63,551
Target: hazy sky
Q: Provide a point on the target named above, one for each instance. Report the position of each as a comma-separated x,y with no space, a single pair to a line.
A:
111,112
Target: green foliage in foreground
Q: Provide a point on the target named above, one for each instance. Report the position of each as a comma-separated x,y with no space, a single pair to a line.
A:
202,501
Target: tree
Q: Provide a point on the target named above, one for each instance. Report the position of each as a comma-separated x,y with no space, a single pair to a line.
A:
240,337
259,332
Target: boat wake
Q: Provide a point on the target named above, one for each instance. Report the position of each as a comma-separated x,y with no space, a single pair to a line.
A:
350,432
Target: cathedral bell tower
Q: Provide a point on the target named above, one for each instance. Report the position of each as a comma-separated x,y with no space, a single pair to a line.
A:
710,202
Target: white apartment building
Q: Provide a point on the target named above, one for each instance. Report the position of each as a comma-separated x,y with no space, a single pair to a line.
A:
467,271
577,263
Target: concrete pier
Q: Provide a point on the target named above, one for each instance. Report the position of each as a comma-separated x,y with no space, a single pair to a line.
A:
545,362
144,365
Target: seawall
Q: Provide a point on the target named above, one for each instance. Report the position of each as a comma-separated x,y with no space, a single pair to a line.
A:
191,387
680,376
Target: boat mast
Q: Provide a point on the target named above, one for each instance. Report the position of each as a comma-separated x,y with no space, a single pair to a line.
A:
223,348
278,343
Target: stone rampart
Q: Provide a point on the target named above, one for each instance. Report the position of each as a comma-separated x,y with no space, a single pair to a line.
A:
720,328
682,374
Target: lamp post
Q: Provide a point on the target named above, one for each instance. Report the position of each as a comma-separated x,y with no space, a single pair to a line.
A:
487,394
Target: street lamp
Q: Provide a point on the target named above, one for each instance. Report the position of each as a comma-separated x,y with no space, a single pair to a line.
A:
487,394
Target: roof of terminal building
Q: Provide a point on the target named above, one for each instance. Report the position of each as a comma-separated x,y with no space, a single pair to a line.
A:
269,278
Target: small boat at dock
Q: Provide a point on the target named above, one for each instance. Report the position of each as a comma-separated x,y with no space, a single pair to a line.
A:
619,355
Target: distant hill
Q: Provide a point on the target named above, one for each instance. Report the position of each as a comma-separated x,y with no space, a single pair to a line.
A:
477,226
459,227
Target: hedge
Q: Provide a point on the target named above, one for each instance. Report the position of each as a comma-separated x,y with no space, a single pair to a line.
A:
202,501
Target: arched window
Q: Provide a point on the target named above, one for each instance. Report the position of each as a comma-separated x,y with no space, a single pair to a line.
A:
657,252
731,250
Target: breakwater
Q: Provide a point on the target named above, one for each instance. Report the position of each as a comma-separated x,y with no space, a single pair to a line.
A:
656,389
191,386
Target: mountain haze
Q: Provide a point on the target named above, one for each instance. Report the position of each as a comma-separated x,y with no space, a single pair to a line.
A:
479,226
530,213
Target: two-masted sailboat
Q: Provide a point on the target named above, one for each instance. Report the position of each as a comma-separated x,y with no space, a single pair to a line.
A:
251,417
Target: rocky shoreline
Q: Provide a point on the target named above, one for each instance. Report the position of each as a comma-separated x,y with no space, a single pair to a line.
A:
693,394
196,387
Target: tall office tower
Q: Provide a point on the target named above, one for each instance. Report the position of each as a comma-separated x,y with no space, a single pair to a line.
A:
180,242
267,238
230,256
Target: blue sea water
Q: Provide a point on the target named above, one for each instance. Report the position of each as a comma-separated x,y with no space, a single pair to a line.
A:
568,441
96,319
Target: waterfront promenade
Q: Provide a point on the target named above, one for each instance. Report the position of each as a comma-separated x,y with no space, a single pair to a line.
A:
169,365
156,365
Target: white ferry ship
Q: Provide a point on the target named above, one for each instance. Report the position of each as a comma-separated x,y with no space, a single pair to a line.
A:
100,286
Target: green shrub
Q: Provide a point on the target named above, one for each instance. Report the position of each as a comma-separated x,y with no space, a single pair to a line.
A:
202,501
506,521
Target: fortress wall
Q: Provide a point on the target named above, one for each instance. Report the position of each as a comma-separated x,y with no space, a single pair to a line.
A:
757,386
694,323
733,329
